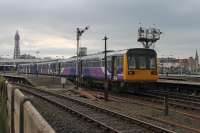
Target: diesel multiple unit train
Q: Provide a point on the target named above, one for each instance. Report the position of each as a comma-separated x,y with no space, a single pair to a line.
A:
123,67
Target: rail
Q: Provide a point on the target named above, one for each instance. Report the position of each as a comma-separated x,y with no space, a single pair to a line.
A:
140,123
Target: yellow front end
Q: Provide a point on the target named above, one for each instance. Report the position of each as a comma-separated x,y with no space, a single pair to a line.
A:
138,75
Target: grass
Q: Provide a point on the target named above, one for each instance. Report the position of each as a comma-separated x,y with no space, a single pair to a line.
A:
3,108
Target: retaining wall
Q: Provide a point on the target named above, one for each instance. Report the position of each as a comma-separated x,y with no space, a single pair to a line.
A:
22,115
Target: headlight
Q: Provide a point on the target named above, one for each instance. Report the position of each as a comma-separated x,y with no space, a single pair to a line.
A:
131,72
154,72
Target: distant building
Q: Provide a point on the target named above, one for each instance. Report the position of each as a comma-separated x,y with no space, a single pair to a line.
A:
82,51
197,60
17,46
27,56
167,65
180,66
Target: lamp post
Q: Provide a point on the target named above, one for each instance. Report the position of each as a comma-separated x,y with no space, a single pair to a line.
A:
105,69
79,33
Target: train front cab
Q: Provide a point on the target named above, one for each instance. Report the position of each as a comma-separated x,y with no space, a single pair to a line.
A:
140,65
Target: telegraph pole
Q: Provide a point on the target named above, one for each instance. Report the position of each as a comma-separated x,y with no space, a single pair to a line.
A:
79,33
105,69
77,54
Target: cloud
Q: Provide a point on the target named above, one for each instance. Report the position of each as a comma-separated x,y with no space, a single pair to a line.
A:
50,25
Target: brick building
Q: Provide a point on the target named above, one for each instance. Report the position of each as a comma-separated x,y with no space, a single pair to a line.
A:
180,66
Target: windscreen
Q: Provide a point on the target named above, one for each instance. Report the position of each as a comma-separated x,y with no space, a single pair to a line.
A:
141,62
142,59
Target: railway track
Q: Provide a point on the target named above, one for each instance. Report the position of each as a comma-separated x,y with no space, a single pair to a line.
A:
131,99
180,102
185,102
158,98
191,98
189,115
107,119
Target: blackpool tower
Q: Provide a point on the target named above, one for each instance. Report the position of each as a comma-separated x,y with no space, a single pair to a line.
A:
17,47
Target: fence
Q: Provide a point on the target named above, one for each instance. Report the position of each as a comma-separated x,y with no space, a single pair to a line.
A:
22,116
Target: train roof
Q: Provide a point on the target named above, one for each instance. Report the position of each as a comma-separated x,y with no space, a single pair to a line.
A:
50,61
40,62
99,55
109,53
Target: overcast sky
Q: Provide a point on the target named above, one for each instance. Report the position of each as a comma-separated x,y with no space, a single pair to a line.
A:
49,26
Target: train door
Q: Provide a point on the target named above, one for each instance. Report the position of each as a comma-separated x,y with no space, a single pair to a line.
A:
114,68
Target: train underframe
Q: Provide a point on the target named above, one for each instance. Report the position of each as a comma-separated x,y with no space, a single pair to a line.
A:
113,85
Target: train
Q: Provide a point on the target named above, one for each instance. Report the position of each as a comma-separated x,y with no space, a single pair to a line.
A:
135,65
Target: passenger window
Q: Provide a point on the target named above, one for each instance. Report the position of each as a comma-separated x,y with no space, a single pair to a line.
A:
131,62
120,61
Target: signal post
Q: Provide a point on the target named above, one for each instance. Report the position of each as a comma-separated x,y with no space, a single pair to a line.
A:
105,69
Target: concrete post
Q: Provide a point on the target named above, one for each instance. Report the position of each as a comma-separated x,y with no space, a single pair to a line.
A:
13,110
21,123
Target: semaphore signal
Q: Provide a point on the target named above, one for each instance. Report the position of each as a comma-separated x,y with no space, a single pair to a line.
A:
148,36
